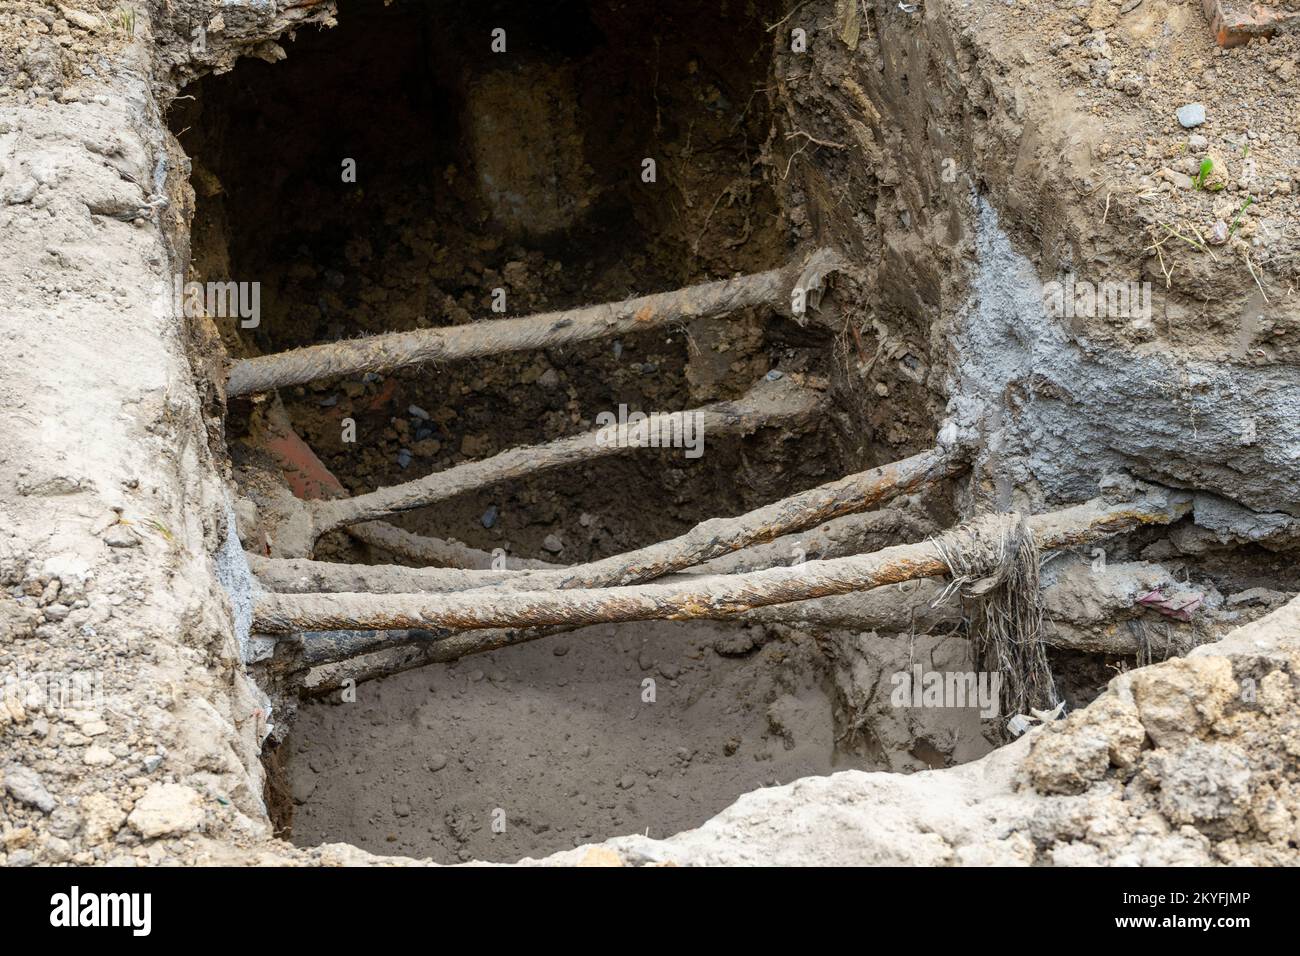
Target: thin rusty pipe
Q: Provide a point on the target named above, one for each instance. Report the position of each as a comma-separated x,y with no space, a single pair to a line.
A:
494,337
768,403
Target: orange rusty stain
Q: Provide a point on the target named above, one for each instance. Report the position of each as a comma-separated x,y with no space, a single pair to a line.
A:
383,395
644,314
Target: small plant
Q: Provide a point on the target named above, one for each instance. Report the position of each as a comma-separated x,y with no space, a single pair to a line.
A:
1237,219
1207,167
125,17
156,525
1202,177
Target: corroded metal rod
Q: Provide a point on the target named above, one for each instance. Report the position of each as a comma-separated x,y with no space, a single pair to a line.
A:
769,403
493,337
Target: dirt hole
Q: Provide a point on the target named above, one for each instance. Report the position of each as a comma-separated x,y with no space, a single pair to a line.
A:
479,173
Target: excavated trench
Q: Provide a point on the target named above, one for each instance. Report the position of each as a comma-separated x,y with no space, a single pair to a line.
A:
397,173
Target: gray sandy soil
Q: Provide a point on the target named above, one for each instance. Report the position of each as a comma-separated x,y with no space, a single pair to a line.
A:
556,735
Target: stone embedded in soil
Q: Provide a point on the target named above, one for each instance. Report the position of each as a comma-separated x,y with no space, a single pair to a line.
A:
1204,783
1191,115
98,757
735,645
25,786
303,787
120,536
166,809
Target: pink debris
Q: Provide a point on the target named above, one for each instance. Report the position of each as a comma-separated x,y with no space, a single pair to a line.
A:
1179,606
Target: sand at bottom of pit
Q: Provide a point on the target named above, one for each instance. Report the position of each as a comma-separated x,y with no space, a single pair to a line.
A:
555,740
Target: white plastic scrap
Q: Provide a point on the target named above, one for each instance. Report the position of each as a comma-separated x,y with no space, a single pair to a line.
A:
1022,722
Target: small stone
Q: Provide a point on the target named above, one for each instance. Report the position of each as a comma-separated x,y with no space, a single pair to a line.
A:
560,648
58,850
1197,142
415,411
549,379
553,544
1191,115
96,756
22,192
403,458
489,517
26,786
775,375
152,762
57,612
120,536
64,823
437,762
735,645
626,782
165,809
101,818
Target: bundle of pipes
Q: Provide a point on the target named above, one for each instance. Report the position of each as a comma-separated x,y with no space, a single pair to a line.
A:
715,596
710,539
467,605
